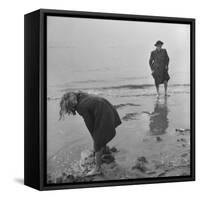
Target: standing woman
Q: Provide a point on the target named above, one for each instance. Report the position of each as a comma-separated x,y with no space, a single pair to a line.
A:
100,117
159,61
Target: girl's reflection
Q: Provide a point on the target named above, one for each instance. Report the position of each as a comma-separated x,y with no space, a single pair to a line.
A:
158,119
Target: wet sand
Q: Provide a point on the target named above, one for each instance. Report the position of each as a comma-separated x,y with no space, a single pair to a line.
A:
153,141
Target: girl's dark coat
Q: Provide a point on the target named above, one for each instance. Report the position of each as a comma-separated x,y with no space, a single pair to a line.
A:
100,117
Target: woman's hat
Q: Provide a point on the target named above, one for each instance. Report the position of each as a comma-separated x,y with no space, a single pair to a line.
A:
158,43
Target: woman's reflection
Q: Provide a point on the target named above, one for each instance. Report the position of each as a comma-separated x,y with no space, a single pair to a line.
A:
158,119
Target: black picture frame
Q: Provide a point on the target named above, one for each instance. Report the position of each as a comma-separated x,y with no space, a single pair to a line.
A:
35,82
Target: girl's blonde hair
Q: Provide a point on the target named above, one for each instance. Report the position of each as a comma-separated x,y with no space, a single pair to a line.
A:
66,106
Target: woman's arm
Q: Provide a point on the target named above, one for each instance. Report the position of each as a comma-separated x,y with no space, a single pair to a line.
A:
151,61
167,59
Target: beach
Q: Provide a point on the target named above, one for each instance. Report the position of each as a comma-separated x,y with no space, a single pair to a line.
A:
111,60
152,141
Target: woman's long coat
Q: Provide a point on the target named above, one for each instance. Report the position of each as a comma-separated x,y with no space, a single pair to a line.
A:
100,117
158,62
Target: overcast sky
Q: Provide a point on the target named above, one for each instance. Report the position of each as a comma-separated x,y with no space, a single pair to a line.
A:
81,49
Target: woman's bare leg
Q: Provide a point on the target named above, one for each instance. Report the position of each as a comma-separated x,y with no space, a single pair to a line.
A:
165,85
157,89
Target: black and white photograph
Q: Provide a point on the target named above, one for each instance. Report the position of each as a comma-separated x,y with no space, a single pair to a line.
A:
99,99
118,100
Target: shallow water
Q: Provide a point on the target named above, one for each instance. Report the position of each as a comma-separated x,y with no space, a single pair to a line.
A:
144,117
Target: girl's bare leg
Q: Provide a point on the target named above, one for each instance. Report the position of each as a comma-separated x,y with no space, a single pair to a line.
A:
98,159
97,169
